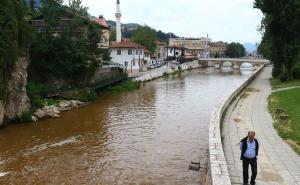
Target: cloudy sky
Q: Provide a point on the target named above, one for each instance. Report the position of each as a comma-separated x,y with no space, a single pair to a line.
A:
227,20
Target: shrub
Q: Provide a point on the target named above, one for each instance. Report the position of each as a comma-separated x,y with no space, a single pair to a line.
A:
276,72
179,68
36,90
127,85
296,71
86,96
283,77
26,116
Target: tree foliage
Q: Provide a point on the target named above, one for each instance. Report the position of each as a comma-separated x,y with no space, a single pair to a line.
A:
145,36
71,56
235,50
281,38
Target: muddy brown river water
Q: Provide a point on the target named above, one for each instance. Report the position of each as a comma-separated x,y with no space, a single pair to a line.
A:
148,136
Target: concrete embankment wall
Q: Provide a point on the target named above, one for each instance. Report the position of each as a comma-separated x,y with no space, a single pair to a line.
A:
217,166
171,68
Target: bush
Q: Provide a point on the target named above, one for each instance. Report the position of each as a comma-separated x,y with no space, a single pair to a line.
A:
26,116
276,72
179,68
283,77
86,96
127,85
36,90
296,71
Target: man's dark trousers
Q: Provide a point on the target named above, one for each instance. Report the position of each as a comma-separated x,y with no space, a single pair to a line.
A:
253,164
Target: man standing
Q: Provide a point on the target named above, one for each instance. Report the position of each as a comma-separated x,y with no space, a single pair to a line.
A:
249,150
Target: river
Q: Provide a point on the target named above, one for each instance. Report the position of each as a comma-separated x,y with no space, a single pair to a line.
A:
148,136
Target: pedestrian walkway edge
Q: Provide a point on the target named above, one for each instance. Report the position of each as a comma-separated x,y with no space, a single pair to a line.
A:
217,166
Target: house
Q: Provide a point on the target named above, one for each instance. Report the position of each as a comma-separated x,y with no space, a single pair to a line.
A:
159,52
104,43
39,24
130,55
174,52
194,46
148,57
217,49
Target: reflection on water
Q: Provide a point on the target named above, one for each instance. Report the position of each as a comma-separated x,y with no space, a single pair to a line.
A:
148,136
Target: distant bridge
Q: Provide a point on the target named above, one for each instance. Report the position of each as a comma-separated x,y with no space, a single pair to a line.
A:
234,63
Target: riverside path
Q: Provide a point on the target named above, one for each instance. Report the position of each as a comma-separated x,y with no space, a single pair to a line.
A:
278,164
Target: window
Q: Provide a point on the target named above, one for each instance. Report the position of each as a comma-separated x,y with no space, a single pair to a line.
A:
119,52
141,52
133,63
171,50
126,64
129,51
137,52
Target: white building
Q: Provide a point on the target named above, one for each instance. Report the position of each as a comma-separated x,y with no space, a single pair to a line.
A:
174,52
130,55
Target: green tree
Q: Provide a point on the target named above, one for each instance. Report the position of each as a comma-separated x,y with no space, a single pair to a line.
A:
281,27
145,36
235,50
73,56
52,10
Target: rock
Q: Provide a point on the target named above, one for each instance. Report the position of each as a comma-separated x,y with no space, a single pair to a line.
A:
74,104
34,119
40,114
1,113
17,100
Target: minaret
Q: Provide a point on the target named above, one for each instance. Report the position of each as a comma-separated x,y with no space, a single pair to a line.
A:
118,22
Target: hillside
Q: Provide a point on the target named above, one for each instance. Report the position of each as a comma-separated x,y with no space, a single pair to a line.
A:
129,28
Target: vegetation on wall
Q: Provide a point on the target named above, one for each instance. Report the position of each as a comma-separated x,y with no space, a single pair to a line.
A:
15,36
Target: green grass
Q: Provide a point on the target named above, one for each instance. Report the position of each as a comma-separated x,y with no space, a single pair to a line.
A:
289,101
277,84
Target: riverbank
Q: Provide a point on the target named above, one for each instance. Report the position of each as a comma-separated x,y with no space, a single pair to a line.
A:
157,126
277,163
285,108
54,110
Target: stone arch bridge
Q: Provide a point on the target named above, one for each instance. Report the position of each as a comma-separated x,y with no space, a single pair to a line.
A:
234,63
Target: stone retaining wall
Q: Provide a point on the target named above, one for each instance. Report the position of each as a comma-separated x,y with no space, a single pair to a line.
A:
171,68
217,166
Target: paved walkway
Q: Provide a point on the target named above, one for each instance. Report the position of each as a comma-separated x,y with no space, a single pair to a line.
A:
278,164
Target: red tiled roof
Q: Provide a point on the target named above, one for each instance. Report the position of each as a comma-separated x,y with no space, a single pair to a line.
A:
126,43
147,51
217,44
101,21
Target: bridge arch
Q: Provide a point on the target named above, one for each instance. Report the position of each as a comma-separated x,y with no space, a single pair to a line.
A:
246,66
226,64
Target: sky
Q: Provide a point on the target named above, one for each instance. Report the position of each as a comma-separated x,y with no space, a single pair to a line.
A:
223,20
